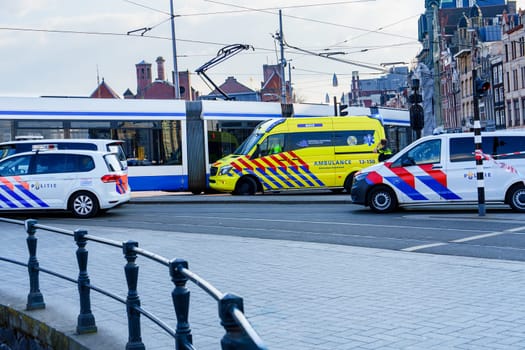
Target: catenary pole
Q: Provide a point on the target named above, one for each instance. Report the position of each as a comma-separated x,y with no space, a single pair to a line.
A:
174,45
283,61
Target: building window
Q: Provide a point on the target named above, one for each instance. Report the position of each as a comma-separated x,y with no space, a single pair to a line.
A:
509,112
516,112
521,120
515,79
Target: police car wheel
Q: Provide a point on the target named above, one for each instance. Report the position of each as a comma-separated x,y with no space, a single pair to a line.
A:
382,200
83,205
517,199
245,187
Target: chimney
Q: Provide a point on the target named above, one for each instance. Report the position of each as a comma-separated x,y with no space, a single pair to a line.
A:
143,76
160,68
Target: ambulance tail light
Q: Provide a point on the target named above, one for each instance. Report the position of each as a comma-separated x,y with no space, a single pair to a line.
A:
110,178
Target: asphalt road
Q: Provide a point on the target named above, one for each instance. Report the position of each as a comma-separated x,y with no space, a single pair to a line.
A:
500,234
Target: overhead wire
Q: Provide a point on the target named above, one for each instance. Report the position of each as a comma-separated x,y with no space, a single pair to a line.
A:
242,9
309,19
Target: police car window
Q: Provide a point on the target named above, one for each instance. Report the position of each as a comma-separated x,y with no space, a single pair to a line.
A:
425,153
116,148
499,147
15,166
63,163
504,147
113,162
462,149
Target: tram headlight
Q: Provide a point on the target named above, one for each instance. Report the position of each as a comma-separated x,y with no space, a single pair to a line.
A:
225,170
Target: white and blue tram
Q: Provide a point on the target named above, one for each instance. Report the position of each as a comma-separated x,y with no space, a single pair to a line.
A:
169,143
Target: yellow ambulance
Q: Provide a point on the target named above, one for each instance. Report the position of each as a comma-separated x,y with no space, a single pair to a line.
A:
299,153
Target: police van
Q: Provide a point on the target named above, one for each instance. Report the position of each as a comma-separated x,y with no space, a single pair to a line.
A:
82,182
299,153
441,169
23,144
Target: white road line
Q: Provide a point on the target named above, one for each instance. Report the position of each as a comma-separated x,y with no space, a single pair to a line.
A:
462,240
473,238
522,228
424,246
358,224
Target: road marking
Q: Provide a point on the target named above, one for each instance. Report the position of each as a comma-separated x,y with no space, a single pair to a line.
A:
462,240
522,228
336,223
423,246
473,238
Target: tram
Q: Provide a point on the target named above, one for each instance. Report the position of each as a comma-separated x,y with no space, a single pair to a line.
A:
169,143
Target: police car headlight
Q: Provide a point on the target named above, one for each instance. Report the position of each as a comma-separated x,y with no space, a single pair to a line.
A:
360,176
225,170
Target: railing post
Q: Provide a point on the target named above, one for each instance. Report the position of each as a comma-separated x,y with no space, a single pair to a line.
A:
235,337
181,303
132,301
85,320
35,299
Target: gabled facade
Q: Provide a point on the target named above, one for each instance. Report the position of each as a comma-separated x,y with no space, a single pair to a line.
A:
103,90
470,34
234,90
271,87
514,69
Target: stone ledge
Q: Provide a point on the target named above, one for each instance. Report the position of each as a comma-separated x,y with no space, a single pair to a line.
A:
21,323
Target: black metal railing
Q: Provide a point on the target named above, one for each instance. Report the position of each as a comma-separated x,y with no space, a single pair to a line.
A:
239,334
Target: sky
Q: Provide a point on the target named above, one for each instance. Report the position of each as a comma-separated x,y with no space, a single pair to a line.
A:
64,48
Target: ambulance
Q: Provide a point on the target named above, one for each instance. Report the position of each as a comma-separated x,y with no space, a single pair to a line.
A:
441,169
299,153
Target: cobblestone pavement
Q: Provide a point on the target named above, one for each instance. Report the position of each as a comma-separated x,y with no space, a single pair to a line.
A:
298,296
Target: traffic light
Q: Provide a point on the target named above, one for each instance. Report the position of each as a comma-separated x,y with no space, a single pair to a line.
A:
417,117
415,98
482,86
342,109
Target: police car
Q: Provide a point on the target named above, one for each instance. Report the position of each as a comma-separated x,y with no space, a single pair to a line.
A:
441,169
82,182
25,145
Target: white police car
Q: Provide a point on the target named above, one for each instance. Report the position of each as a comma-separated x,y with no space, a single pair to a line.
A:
82,182
441,169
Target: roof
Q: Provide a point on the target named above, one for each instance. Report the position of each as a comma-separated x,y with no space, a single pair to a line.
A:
232,86
452,16
103,90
